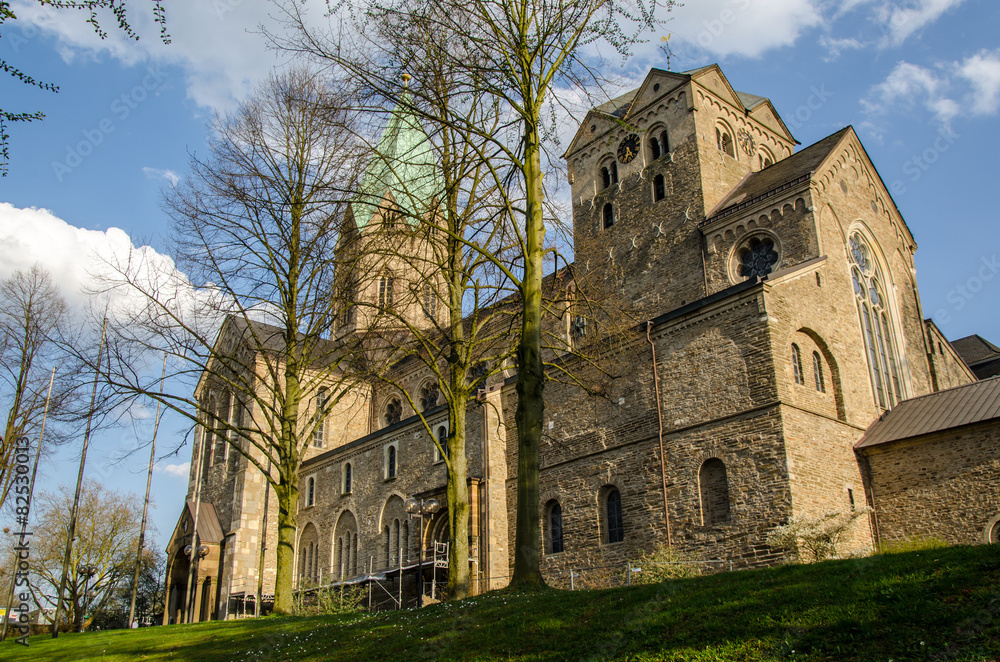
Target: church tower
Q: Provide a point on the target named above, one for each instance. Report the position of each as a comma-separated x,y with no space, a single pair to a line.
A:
647,167
385,257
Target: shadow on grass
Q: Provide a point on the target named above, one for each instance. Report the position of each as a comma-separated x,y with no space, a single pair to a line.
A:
931,605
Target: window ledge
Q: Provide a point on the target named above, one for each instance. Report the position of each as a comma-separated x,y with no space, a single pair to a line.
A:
390,479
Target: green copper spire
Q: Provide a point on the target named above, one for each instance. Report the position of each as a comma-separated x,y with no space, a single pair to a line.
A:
403,165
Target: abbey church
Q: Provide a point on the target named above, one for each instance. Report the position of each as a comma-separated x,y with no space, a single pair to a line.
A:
785,369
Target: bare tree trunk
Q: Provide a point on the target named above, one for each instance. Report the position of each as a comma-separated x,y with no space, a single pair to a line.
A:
288,496
458,502
531,377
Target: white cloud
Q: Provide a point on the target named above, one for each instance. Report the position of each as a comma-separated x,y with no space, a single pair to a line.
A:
982,71
740,27
217,44
179,470
834,47
156,173
898,23
909,84
968,88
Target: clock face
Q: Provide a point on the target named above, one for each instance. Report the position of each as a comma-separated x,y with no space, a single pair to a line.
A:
746,141
629,148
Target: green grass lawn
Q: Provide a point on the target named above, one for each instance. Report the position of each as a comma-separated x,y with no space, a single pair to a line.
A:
941,604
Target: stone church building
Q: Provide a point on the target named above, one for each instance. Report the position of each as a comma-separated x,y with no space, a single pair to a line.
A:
784,369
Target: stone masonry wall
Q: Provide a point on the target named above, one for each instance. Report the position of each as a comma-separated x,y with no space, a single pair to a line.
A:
944,486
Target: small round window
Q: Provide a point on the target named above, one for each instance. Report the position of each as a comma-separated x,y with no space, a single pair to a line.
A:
756,257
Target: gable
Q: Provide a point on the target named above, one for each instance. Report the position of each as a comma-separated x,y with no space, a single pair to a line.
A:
850,156
765,113
712,79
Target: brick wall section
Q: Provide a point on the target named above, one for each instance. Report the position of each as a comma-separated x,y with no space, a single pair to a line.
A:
944,486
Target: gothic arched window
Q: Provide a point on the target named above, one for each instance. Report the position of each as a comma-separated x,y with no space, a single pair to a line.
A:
724,141
429,394
441,450
390,461
876,325
385,283
320,418
311,491
818,373
393,412
797,365
613,516
554,527
348,478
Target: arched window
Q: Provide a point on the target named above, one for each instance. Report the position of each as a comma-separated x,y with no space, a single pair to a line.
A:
393,412
395,541
346,485
234,454
390,461
797,365
659,145
818,373
385,283
339,555
613,516
310,491
320,426
659,188
430,301
724,141
405,542
876,327
388,542
765,160
554,528
714,487
609,174
441,450
608,215
208,438
429,394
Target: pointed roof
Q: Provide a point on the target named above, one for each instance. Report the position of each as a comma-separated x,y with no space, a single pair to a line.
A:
622,106
963,405
402,168
209,528
982,356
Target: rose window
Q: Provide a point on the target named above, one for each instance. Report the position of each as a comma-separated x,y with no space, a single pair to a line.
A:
757,258
393,412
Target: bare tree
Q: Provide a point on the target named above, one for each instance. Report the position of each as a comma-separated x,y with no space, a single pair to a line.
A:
518,53
103,554
449,315
31,313
256,225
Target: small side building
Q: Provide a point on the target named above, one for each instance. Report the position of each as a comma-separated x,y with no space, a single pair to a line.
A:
932,466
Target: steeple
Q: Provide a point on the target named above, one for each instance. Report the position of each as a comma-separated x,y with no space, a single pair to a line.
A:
402,170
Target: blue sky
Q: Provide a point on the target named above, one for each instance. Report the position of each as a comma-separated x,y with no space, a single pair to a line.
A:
918,79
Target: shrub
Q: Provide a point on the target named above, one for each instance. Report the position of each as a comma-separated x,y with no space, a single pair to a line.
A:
661,564
329,600
815,538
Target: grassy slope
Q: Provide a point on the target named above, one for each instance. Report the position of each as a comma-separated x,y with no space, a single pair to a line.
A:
932,605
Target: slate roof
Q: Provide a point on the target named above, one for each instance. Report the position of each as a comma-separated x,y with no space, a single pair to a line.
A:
796,166
975,349
963,405
209,529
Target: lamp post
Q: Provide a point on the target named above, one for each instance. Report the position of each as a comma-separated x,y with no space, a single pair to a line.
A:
420,507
